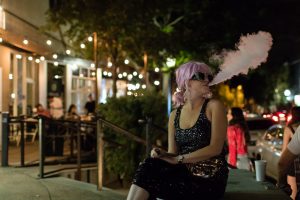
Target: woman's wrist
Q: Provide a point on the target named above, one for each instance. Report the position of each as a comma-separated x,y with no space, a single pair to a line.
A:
180,159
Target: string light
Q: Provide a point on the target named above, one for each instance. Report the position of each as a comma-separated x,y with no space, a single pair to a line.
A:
109,64
124,74
92,65
126,61
18,56
109,74
140,76
156,69
90,38
49,42
82,46
134,73
1,39
68,51
55,63
42,58
54,56
129,77
10,76
37,60
25,42
30,58
156,82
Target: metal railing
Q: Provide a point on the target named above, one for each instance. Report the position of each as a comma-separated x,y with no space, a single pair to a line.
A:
43,124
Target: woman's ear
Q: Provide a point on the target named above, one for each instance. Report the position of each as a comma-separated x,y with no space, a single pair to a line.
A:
188,84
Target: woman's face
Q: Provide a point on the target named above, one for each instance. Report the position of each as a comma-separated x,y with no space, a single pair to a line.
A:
229,115
73,110
198,85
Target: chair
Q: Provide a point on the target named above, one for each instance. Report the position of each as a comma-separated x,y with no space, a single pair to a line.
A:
33,132
15,131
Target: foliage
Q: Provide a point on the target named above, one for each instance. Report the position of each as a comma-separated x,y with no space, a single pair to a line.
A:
121,154
193,28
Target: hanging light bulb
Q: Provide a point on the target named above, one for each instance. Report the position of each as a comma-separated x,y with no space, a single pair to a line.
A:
49,42
82,46
25,41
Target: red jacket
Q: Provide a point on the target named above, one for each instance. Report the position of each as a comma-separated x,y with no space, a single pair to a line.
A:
236,143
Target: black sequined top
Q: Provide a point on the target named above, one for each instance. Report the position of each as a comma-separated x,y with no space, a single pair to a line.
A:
196,137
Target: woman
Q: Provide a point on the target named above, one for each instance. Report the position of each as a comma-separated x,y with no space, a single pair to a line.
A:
237,132
289,131
72,113
195,165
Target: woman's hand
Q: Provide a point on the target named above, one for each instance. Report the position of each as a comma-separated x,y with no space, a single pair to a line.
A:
156,152
163,155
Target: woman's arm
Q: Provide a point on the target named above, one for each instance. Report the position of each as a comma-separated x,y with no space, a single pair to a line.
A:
287,134
232,145
158,153
216,113
171,133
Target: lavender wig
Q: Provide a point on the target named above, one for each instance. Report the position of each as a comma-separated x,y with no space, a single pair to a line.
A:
183,74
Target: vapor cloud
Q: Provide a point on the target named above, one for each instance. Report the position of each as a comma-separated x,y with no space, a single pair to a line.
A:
252,50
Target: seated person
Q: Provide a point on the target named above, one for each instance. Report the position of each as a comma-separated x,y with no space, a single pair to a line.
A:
41,111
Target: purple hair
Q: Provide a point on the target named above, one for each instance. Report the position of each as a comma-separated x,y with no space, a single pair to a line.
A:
183,74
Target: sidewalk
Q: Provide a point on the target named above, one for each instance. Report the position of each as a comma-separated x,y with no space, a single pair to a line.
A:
23,184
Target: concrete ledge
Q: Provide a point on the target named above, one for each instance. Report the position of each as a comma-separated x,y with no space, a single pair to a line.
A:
243,185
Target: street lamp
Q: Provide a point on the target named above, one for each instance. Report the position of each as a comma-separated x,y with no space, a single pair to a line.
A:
98,69
170,63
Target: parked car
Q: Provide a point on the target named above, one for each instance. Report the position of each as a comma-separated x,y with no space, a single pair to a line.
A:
257,127
269,148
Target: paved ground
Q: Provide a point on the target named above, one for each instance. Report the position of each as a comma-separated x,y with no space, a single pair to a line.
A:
23,184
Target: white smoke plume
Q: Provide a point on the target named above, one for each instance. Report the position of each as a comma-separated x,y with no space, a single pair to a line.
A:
252,50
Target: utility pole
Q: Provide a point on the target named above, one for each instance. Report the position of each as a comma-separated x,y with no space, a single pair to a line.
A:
95,49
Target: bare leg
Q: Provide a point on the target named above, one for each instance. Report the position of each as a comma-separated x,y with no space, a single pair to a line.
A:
137,193
292,182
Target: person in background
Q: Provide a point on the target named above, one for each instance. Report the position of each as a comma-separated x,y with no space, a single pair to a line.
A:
289,131
194,166
290,153
90,105
56,107
72,113
41,111
236,137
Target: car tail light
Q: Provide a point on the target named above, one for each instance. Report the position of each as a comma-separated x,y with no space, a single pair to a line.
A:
275,118
289,118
